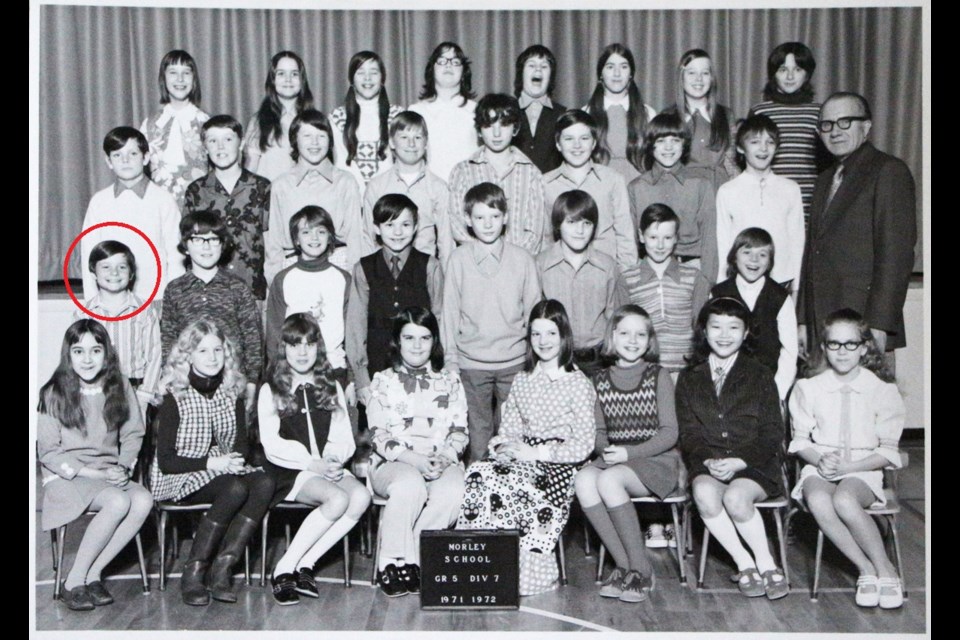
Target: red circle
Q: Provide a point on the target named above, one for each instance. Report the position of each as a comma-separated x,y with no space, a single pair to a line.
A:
66,263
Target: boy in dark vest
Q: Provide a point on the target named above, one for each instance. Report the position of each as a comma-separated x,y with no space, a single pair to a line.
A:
385,282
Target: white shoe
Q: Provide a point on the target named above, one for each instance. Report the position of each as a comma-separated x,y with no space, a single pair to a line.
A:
671,535
656,538
890,593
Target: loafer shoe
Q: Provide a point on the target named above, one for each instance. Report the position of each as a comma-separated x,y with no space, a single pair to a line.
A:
99,594
77,599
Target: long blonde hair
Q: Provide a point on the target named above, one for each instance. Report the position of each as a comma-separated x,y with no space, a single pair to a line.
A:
174,378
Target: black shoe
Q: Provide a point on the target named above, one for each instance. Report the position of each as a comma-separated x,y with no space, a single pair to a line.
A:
285,589
306,584
77,599
410,575
392,583
99,594
192,590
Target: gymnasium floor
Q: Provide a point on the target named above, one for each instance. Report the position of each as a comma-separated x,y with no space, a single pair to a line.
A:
575,607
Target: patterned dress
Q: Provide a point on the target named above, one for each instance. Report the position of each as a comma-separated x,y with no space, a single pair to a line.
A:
553,412
365,163
177,156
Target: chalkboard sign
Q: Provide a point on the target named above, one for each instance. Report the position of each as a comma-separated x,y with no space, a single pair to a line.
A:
470,569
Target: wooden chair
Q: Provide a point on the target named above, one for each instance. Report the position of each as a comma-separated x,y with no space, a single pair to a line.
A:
887,512
296,506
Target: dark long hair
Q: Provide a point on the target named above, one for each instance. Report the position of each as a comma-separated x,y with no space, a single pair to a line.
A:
352,108
295,328
429,90
636,116
555,312
60,396
804,57
422,318
719,114
268,116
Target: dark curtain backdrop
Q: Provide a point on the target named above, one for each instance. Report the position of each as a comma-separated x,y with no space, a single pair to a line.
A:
99,66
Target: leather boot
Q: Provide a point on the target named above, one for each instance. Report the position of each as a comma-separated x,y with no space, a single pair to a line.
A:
205,541
234,542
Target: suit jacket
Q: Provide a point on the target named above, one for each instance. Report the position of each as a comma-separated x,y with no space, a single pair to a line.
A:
542,147
859,250
744,422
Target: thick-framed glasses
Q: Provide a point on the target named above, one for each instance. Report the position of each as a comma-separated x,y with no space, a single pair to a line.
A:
453,62
213,241
852,345
826,126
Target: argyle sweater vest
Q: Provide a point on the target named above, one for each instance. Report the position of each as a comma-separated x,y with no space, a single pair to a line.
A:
631,416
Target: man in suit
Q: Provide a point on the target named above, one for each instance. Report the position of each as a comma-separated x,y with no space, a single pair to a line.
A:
533,85
863,228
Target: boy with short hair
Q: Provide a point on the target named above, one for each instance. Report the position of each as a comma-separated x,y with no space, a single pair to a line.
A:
497,119
671,292
582,278
135,200
207,291
410,176
384,283
533,86
760,198
576,139
241,198
490,288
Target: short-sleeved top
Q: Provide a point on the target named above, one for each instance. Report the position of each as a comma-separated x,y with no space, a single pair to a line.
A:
366,163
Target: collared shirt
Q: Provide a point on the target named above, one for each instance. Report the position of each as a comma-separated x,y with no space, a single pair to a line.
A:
431,196
691,198
244,210
771,202
326,186
527,221
533,107
136,340
589,293
139,187
786,328
720,367
622,100
228,302
615,234
358,305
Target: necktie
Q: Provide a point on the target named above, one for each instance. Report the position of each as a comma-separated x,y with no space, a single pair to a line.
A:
835,185
395,266
718,382
845,392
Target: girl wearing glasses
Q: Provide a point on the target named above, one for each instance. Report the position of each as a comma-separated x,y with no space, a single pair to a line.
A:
847,420
446,106
208,292
788,101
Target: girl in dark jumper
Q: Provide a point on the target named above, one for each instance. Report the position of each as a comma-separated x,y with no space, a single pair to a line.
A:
636,434
731,436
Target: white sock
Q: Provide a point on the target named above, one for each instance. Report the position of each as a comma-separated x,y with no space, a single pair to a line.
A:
755,534
721,527
331,537
312,529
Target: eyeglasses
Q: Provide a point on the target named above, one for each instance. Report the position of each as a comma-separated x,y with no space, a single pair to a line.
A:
852,345
826,126
206,242
453,62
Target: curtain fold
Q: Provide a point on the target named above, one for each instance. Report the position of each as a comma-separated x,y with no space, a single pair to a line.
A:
99,69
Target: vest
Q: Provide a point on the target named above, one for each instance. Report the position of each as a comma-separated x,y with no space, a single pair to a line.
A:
763,323
631,416
541,146
388,297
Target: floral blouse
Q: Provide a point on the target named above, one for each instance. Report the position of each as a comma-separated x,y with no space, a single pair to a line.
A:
424,411
177,158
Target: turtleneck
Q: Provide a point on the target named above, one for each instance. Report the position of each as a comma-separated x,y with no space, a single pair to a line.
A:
796,97
314,264
626,378
205,385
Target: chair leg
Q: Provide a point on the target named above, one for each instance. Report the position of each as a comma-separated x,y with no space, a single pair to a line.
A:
601,556
53,549
688,530
61,534
703,556
346,561
263,548
896,549
376,550
816,566
286,531
679,538
143,564
162,539
782,540
176,542
246,565
561,560
586,538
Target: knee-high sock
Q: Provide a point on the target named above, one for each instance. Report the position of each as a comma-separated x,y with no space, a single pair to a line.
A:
314,526
333,535
755,534
721,527
600,520
624,518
